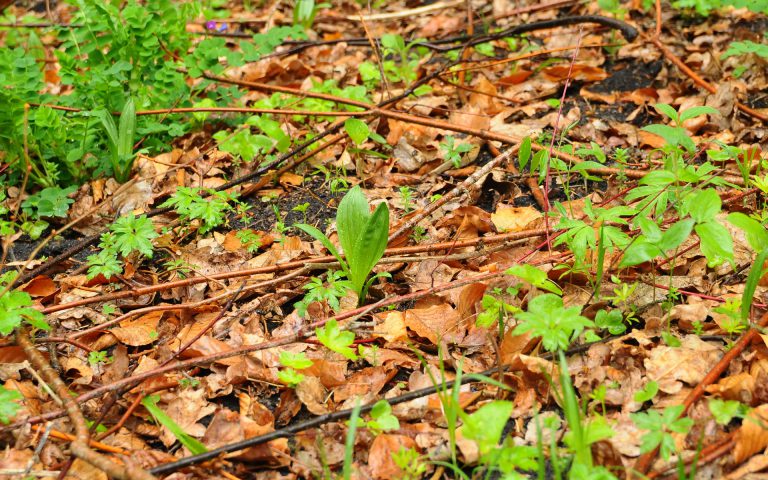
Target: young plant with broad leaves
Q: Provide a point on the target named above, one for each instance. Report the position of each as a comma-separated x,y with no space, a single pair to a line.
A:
363,239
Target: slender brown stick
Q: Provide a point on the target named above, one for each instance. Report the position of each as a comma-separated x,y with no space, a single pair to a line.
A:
80,443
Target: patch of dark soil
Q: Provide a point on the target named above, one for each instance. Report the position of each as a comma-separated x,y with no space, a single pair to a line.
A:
22,248
759,102
628,77
320,207
757,25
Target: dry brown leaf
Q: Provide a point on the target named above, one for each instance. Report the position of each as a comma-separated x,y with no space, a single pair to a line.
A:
367,381
513,219
186,406
138,332
436,323
752,436
40,286
380,455
673,366
580,72
313,395
81,469
392,327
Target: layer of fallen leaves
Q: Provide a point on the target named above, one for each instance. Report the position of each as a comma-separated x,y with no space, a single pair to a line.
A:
241,397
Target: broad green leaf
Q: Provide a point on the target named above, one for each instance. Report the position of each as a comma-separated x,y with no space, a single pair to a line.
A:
192,444
351,218
648,392
703,205
657,177
675,235
524,153
534,276
754,231
716,243
696,111
486,425
8,404
298,361
640,251
335,339
357,130
650,229
127,129
674,136
369,247
667,110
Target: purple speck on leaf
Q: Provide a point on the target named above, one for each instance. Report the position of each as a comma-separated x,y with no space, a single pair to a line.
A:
210,25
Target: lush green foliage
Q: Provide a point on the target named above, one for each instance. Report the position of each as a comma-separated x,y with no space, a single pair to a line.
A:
119,58
211,210
16,307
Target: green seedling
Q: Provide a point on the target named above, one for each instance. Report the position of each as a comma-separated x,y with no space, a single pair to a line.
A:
317,292
16,307
9,404
382,419
363,239
337,340
120,139
453,152
660,427
211,210
292,362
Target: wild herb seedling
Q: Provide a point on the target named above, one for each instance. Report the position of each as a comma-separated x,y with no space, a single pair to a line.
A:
453,152
419,234
250,240
406,198
336,289
292,362
412,466
9,404
382,419
660,428
95,358
210,211
302,208
127,235
337,340
363,239
16,307
120,139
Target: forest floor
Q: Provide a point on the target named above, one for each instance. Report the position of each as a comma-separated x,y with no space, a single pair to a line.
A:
544,257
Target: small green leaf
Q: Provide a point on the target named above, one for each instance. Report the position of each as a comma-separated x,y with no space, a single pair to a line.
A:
299,361
703,205
524,153
648,392
696,111
534,276
486,425
337,340
754,231
9,404
357,130
716,243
